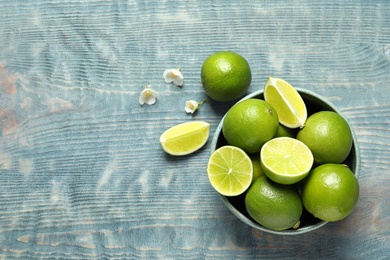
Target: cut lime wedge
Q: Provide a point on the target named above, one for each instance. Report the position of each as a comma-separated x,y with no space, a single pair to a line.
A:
286,160
287,102
230,170
185,138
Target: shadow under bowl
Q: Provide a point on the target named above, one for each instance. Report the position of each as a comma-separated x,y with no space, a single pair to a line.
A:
314,103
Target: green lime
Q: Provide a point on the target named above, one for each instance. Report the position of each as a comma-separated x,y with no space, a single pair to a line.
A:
249,124
328,136
225,76
330,192
287,101
230,170
185,138
286,160
284,131
275,206
257,170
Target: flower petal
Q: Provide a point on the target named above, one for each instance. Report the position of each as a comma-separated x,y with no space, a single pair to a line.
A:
191,106
151,100
141,99
148,96
167,76
178,81
175,76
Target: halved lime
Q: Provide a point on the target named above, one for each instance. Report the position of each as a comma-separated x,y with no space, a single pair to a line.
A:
287,102
286,160
230,170
185,138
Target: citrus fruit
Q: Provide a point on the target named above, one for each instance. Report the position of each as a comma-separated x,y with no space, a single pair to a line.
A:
225,76
185,138
328,136
287,102
275,206
286,160
286,131
230,170
257,170
249,124
330,192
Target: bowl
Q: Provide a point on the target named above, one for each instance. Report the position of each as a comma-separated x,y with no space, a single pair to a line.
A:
314,103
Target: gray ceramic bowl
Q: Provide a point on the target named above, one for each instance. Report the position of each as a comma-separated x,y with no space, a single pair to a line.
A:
314,103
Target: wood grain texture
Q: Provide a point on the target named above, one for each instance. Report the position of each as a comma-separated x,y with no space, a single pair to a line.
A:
81,170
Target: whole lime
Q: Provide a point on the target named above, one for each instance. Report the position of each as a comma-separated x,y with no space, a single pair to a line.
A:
284,131
249,124
275,206
330,192
225,76
328,136
257,170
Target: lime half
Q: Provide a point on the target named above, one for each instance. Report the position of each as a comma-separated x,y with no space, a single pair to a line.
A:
286,160
230,170
287,102
185,138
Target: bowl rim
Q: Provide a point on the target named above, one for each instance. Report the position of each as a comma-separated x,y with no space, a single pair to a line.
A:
252,223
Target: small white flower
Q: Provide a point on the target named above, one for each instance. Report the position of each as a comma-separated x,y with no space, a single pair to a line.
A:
175,76
192,106
148,96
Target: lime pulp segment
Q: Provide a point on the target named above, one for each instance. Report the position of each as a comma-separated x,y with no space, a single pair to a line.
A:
287,102
185,138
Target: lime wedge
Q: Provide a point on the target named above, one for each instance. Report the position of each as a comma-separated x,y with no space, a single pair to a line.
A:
230,170
286,160
287,102
185,138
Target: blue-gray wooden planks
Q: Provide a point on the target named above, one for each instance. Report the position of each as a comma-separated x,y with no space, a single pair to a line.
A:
82,175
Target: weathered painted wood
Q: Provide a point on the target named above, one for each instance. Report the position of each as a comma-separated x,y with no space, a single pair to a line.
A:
81,170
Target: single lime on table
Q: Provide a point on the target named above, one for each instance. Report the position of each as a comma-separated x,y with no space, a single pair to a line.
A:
249,124
328,136
275,206
287,102
185,138
225,76
286,160
330,192
230,170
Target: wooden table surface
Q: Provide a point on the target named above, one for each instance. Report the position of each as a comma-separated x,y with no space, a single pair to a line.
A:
82,173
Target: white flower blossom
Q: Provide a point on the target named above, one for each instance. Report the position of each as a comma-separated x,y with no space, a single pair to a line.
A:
175,76
148,96
192,106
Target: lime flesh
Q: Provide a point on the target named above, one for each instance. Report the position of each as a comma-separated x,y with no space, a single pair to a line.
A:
230,170
185,138
287,102
286,160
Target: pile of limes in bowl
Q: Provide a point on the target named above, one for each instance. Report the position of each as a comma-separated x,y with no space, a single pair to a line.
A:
280,158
